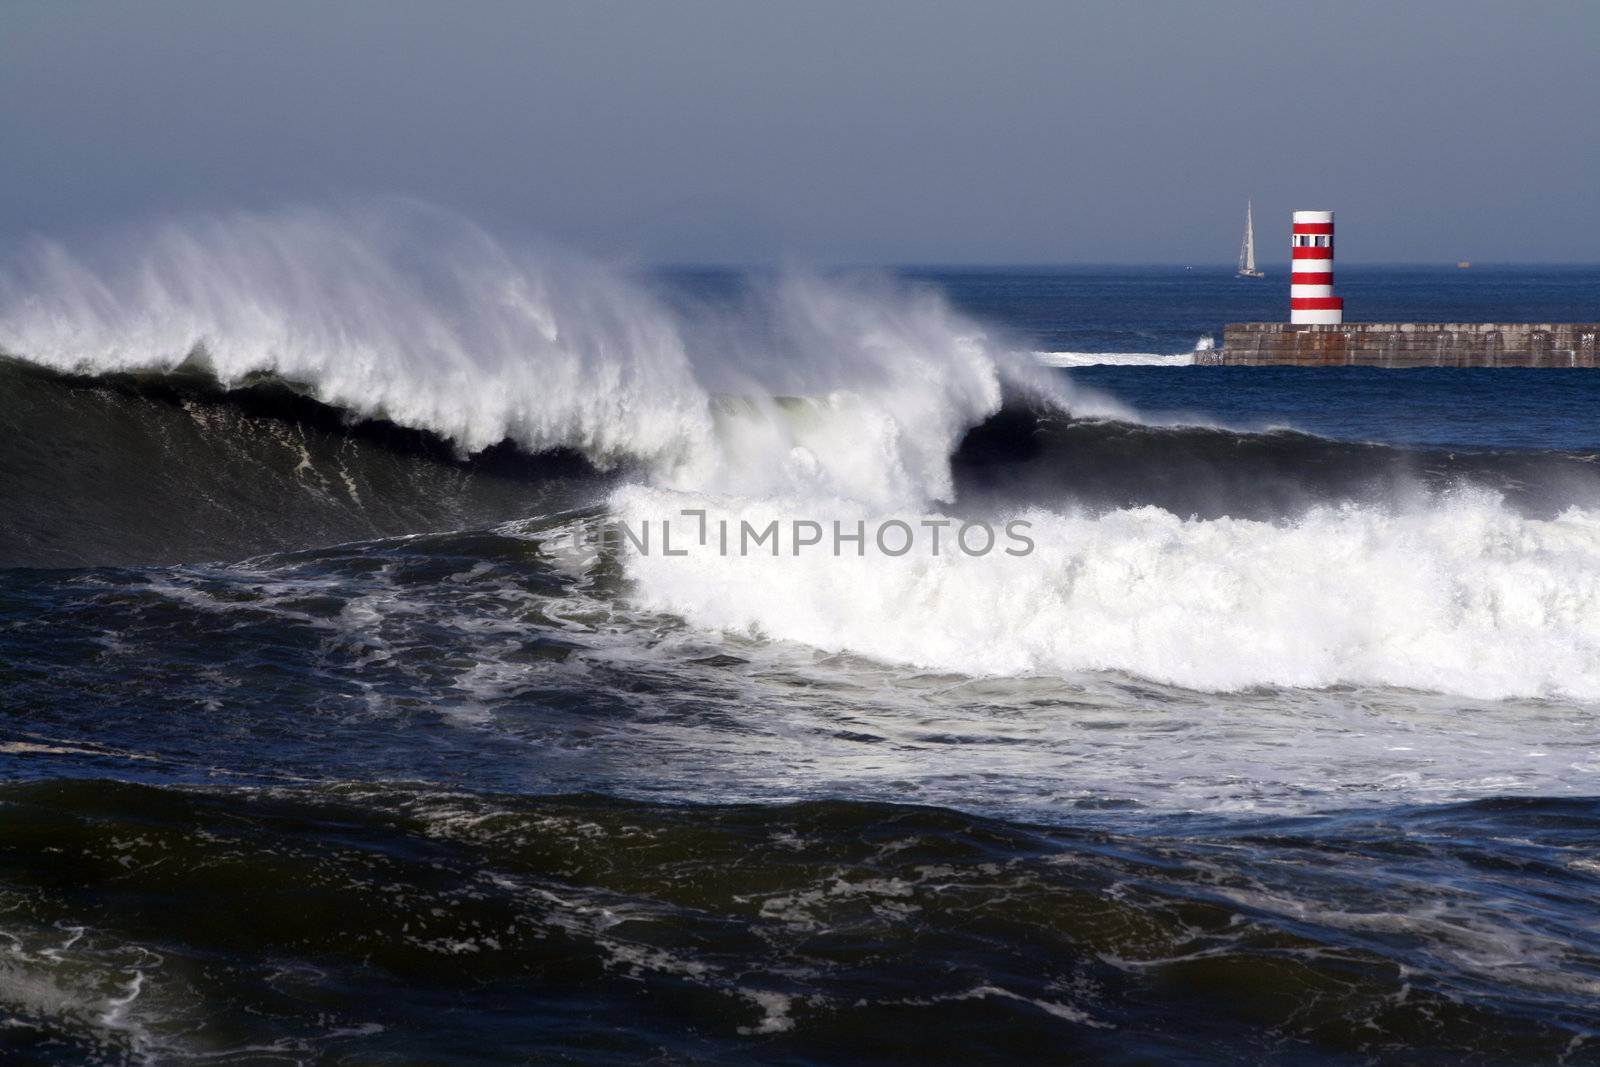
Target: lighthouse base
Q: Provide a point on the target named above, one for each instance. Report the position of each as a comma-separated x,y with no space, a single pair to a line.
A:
1317,317
1407,344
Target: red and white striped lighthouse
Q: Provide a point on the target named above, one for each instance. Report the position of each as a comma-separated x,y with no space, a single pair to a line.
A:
1311,299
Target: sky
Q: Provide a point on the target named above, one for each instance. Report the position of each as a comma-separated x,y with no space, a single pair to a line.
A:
861,132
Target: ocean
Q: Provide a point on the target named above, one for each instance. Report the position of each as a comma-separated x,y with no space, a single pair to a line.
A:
361,707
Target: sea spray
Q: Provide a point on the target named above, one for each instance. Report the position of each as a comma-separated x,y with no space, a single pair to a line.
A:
397,311
412,314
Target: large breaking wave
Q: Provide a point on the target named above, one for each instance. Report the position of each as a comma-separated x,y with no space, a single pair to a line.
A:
1192,555
418,317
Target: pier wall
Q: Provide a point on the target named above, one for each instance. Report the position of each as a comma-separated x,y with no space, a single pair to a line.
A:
1408,344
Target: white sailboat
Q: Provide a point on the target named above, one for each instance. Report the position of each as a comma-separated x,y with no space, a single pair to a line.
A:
1247,250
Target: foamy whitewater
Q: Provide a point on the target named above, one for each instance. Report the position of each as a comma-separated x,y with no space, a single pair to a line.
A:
1115,359
1460,597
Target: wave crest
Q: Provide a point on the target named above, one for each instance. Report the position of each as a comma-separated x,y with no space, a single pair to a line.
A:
414,315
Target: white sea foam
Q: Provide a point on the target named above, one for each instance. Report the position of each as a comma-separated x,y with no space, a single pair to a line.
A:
1461,596
1115,359
1126,359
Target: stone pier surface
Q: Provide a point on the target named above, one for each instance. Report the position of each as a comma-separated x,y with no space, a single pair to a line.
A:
1408,344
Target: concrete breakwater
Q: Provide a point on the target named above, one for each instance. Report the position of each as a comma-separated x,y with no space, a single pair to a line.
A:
1408,344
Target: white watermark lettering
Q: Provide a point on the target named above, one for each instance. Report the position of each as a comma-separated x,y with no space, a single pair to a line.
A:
693,531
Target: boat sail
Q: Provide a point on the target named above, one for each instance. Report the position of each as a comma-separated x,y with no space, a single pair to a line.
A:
1247,250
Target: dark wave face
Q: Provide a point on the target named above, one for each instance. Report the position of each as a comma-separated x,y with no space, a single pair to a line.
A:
167,468
389,923
1027,454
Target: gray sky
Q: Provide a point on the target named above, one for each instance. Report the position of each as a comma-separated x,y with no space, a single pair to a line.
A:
861,131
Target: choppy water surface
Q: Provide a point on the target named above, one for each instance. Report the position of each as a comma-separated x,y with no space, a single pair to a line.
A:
321,743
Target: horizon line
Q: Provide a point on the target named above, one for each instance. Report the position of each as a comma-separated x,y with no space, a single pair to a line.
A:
1001,265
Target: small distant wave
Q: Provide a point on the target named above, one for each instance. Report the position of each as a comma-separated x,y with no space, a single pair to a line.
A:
1115,359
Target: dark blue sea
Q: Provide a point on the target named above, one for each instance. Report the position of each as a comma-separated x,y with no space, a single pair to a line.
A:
345,720
1121,314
